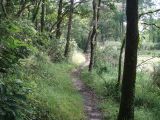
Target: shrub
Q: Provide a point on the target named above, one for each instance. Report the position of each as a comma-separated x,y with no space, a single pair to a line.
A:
57,48
13,99
15,42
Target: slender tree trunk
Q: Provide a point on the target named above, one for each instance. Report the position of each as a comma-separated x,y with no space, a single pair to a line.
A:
43,16
66,53
120,64
3,8
90,33
122,47
58,30
87,42
22,8
96,9
9,7
126,111
36,10
122,19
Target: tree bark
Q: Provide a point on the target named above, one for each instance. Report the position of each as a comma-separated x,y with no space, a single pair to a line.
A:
3,9
96,8
126,111
120,64
122,47
35,12
58,30
43,16
66,53
9,7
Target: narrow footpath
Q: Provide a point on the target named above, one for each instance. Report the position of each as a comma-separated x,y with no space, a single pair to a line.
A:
89,97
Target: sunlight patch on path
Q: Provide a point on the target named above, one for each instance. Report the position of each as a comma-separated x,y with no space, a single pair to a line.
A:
78,57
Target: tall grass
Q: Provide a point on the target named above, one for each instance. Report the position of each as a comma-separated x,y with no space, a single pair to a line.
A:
147,105
53,96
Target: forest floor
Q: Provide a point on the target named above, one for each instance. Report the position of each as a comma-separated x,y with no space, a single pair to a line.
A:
90,99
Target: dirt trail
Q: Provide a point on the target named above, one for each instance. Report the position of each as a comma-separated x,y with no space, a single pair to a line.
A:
89,97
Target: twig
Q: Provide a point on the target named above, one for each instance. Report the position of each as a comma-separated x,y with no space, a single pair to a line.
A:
152,24
145,61
66,12
149,12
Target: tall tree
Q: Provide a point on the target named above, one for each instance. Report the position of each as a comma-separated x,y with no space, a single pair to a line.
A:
58,29
43,16
35,11
120,64
3,8
66,53
96,9
126,111
9,7
122,46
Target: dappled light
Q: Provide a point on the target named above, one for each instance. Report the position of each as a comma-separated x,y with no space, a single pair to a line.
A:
78,57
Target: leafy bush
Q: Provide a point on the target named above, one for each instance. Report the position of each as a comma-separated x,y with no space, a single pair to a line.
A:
147,105
13,99
57,48
15,42
105,59
46,91
150,46
56,51
53,96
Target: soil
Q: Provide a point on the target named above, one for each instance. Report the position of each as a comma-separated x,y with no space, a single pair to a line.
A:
90,99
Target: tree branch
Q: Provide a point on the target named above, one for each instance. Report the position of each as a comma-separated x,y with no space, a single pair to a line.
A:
24,6
36,11
151,24
145,61
66,13
148,12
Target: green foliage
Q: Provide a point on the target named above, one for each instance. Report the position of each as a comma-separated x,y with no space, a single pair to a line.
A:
53,93
106,58
13,99
156,76
45,92
80,28
150,46
15,42
103,80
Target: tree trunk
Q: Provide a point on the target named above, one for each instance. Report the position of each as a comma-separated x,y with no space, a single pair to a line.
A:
3,9
43,16
122,46
66,53
87,42
120,64
36,10
96,9
9,7
22,8
126,111
58,30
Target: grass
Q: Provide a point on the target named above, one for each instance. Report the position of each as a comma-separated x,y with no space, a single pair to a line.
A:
52,89
147,105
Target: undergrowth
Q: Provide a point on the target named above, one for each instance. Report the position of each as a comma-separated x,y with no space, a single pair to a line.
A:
147,105
52,95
